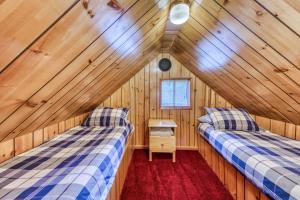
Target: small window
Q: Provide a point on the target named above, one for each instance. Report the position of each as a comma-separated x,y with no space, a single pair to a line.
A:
175,94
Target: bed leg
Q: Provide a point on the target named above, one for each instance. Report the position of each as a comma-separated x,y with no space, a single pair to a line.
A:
150,155
174,156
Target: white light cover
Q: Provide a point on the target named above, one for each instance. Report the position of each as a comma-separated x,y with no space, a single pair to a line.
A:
179,13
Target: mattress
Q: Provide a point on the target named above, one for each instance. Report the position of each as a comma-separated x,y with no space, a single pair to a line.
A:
270,161
79,164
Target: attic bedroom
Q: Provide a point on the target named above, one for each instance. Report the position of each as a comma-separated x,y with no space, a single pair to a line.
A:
150,99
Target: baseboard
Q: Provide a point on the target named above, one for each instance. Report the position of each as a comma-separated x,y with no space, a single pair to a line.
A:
140,147
186,148
177,148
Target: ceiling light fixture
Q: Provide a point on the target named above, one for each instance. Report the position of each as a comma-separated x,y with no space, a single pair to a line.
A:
179,13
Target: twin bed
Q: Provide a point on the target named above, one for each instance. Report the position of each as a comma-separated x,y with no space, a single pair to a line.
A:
268,160
82,163
79,164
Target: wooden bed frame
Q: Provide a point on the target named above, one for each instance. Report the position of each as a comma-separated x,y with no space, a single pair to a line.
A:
235,182
116,189
239,187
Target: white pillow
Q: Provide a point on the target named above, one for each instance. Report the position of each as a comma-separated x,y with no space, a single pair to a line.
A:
205,119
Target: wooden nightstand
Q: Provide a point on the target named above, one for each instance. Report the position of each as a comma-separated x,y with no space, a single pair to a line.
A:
162,143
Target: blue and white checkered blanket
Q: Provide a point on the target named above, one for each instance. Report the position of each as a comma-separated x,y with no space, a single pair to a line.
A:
270,161
79,164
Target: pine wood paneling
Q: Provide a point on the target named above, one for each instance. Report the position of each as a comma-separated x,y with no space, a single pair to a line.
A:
23,143
142,96
250,50
58,62
18,18
284,41
95,59
143,90
284,11
7,150
38,137
51,51
236,183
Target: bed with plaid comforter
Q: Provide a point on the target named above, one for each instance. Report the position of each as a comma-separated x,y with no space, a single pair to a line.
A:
268,160
79,164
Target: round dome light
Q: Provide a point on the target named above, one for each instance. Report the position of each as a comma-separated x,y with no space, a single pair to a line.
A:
179,13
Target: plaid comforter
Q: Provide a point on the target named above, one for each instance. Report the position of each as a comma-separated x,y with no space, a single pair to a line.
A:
79,164
270,161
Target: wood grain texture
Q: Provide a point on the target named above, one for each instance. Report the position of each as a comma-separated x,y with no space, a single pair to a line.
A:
19,18
101,47
141,95
248,45
23,143
239,187
57,61
116,189
146,81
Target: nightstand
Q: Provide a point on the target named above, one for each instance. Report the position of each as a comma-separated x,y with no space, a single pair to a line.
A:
162,137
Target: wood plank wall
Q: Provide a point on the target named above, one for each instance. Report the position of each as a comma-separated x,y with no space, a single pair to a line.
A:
279,127
54,65
239,187
141,95
246,51
21,144
54,55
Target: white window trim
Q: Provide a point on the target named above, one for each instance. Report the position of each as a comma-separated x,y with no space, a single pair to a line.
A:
175,107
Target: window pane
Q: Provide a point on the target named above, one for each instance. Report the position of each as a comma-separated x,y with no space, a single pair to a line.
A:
167,92
175,93
182,93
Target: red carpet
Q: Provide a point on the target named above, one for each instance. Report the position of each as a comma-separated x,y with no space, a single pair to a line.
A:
189,178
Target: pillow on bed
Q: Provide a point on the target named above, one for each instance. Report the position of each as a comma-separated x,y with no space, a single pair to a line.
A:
205,119
105,116
232,119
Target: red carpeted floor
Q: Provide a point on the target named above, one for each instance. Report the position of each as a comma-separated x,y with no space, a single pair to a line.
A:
189,178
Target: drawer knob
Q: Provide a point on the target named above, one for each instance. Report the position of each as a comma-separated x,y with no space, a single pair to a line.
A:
162,145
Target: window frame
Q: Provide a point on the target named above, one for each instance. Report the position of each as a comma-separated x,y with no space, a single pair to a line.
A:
175,107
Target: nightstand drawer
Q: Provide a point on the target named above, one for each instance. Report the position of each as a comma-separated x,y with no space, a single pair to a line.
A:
166,143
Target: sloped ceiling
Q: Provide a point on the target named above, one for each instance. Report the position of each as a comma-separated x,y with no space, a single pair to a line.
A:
248,51
61,58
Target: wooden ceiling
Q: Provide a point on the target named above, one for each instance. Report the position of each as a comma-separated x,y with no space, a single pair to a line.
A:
248,51
62,58
62,61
